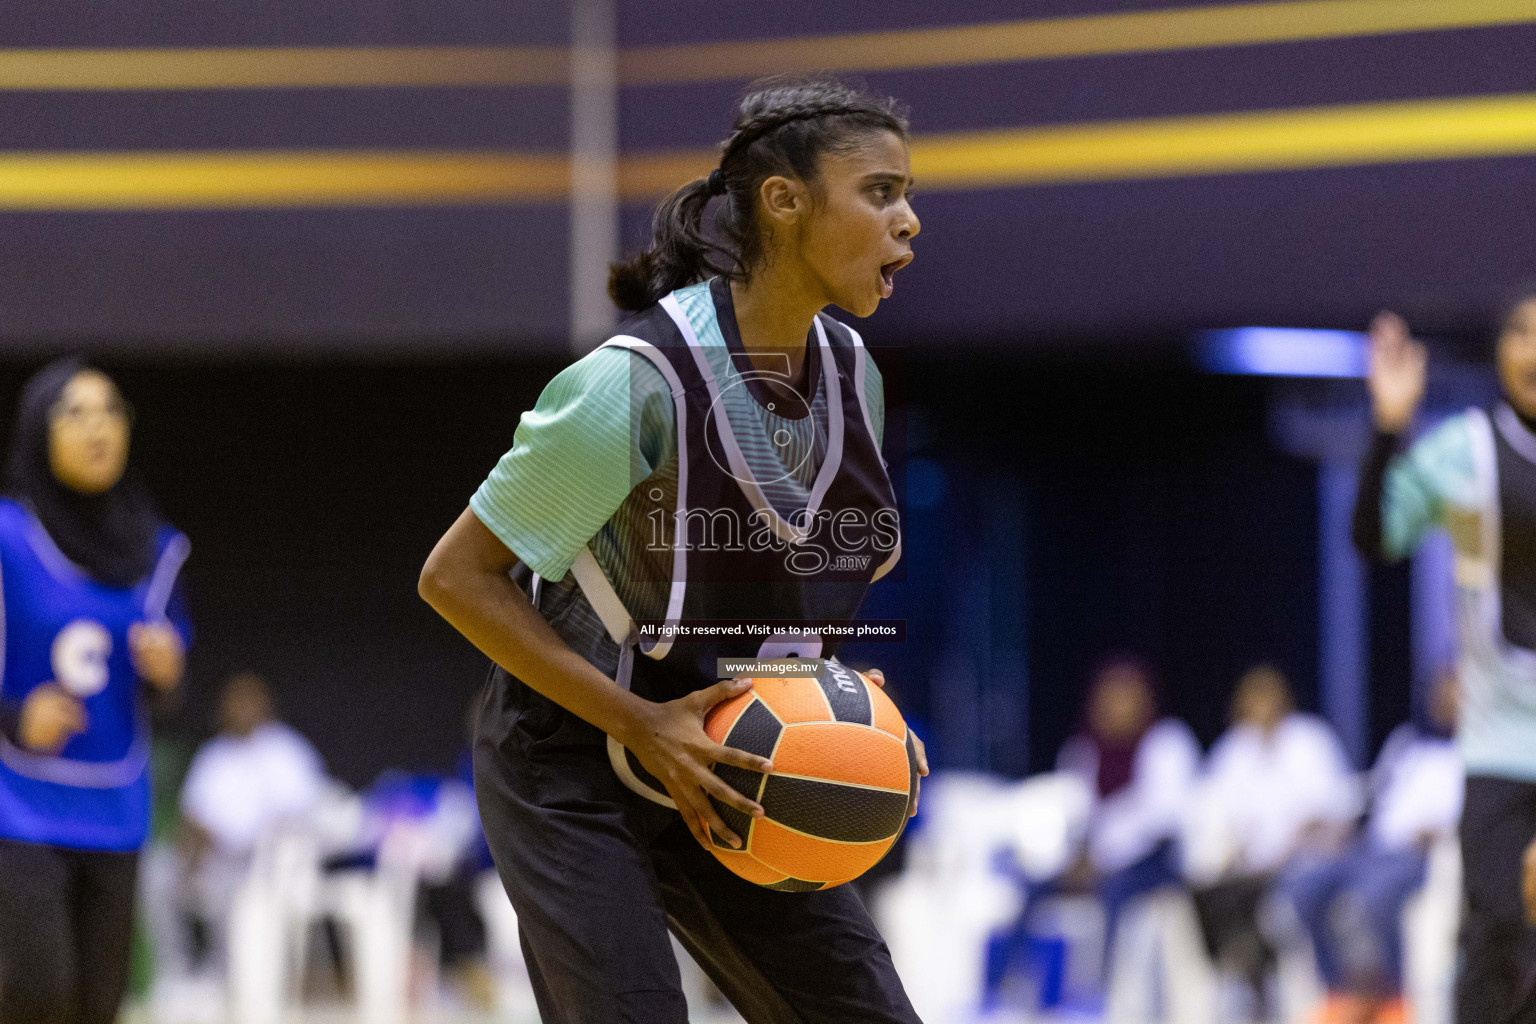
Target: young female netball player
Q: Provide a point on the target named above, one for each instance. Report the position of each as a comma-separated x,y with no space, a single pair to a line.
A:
92,620
727,397
1474,475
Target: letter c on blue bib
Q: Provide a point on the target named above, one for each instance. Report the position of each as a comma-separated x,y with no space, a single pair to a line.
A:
79,657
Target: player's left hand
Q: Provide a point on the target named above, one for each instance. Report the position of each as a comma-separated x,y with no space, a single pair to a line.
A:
922,767
158,654
877,677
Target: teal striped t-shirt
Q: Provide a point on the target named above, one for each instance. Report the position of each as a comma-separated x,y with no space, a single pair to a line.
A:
1442,482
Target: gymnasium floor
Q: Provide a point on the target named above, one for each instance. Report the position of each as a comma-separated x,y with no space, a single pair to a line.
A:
342,1014
347,1015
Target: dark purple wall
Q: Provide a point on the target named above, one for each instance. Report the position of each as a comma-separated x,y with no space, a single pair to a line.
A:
1019,266
450,278
1102,261
285,23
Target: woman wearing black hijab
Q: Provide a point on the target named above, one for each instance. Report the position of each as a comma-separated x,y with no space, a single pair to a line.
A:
92,624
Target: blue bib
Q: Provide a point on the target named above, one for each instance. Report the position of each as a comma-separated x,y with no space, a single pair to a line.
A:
61,626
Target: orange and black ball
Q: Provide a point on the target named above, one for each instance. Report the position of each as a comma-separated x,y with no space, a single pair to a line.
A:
844,778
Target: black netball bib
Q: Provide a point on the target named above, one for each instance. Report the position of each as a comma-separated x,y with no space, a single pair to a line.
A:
1515,448
748,577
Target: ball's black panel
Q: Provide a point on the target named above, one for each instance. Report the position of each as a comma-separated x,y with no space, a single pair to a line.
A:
846,693
796,885
756,731
748,784
829,810
739,823
745,782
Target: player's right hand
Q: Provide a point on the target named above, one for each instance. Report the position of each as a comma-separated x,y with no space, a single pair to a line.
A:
49,717
670,741
1397,371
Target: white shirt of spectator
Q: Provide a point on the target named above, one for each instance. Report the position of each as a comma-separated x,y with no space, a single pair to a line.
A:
1259,795
238,788
1127,825
1419,782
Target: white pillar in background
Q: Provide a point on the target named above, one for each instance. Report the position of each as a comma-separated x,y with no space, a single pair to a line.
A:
594,209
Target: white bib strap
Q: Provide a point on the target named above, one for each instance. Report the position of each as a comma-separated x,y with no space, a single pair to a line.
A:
621,628
618,758
603,598
158,595
605,601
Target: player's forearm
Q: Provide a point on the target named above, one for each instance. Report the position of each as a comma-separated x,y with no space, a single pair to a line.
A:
1366,531
494,615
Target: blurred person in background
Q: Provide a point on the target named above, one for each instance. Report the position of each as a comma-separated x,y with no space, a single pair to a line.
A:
1141,768
1351,905
431,823
452,903
1475,476
95,630
251,778
1277,786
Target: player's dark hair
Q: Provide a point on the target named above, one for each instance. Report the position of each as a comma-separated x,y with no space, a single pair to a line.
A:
782,128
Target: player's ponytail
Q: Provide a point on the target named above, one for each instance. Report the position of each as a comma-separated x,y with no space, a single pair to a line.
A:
679,254
782,128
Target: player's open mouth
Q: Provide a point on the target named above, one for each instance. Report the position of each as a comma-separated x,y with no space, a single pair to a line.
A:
888,274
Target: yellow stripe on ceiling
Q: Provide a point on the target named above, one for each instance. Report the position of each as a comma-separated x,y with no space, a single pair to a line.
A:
950,46
300,67
1273,140
1295,139
265,179
1083,36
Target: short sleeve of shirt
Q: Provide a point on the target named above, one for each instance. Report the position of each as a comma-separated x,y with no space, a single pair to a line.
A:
601,426
874,398
1419,483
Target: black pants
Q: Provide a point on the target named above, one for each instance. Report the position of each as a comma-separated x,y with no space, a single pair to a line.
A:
66,925
1229,916
1498,949
597,875
450,905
